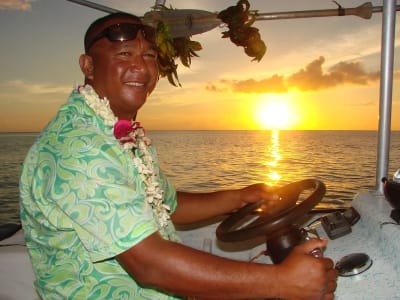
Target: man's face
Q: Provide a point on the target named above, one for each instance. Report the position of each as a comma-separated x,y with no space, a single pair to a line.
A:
124,72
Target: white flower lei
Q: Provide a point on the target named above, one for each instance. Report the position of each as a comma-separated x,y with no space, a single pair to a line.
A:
144,163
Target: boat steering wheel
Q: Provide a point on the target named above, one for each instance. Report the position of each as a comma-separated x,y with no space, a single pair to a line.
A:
280,223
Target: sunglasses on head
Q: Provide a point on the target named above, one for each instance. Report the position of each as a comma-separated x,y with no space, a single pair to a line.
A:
124,32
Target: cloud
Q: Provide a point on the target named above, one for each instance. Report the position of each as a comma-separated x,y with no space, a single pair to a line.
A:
15,4
274,84
221,86
313,77
365,103
310,78
35,88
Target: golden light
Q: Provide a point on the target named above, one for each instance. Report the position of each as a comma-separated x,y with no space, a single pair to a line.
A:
274,112
273,163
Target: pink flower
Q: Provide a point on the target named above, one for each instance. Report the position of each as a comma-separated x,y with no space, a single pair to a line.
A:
128,132
122,128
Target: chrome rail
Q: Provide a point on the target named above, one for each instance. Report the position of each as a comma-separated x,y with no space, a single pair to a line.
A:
386,87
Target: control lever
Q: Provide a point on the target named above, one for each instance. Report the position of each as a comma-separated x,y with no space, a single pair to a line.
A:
312,234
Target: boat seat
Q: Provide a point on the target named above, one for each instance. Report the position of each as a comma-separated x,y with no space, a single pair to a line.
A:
16,274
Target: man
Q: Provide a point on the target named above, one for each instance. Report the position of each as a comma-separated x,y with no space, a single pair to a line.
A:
98,213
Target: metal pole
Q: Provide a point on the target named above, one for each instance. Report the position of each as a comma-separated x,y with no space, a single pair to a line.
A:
385,100
95,6
364,11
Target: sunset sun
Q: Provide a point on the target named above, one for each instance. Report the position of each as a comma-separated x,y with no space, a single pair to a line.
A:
274,112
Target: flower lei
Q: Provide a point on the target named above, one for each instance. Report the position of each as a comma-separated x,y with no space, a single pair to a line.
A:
132,138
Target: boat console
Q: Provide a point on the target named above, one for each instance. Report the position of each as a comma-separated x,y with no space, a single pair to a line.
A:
367,256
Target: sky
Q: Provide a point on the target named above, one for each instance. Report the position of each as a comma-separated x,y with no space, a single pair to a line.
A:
317,74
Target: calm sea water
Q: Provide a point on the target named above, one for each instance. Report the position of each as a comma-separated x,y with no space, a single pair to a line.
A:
211,160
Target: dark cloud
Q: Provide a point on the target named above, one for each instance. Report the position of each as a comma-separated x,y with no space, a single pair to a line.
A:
310,78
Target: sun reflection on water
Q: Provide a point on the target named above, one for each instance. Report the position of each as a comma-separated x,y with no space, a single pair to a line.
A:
274,158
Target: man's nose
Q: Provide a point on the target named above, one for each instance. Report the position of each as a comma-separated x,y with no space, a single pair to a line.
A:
138,62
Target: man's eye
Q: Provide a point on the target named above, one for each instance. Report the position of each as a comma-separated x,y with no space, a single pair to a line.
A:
124,53
151,55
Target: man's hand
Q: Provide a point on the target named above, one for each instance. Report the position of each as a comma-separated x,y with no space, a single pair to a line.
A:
272,204
305,277
257,192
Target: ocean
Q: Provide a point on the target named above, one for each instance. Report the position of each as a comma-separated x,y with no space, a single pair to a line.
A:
211,160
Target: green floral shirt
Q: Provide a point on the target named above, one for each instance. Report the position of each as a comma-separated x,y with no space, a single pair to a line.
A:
82,203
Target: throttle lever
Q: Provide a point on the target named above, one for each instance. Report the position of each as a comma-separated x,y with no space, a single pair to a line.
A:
308,235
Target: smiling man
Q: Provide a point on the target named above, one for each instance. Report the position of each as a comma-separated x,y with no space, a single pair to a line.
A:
131,67
99,214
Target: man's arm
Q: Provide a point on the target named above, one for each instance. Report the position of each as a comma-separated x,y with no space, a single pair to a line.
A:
193,207
175,268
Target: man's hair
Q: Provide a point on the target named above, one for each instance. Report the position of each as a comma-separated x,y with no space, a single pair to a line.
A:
99,22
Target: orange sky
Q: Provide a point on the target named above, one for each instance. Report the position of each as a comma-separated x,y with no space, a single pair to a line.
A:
320,73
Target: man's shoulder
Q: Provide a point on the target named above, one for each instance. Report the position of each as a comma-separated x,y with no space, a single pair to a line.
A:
75,123
74,115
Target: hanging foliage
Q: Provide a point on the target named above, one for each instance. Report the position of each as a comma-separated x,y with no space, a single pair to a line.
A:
239,20
172,48
166,54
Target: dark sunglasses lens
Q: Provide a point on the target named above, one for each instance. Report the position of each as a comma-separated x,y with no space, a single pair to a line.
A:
122,32
127,32
149,33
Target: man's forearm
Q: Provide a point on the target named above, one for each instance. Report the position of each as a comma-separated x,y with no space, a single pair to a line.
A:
188,272
194,207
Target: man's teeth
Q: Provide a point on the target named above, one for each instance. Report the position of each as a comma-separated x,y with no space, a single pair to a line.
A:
135,83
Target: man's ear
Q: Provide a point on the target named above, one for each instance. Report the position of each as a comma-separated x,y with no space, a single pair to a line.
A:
86,64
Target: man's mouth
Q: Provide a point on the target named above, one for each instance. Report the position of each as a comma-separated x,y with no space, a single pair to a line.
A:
135,83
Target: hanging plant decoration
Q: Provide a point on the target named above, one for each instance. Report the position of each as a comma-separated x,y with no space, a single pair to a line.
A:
171,48
166,54
239,19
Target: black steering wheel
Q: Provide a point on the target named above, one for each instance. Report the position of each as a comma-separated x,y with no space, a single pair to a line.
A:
270,225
